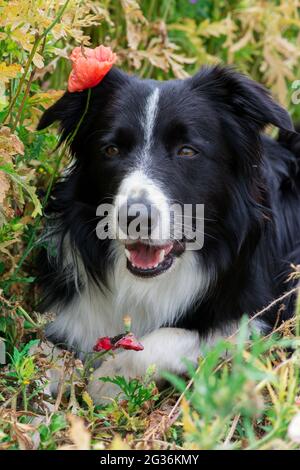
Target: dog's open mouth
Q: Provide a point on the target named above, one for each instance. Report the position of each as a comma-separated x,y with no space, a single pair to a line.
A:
146,260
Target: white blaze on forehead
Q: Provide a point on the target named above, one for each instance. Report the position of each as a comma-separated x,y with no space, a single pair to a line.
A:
149,121
138,184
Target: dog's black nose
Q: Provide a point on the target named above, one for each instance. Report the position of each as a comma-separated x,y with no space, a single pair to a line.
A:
138,218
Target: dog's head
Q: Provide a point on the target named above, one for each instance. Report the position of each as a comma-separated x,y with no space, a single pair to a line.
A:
166,147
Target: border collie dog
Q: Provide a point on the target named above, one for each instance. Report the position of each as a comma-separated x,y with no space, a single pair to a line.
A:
195,141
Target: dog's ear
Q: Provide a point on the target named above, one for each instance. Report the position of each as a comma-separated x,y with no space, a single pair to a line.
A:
247,100
69,109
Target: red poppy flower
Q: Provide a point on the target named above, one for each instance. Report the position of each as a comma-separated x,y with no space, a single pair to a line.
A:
89,66
103,344
123,341
129,342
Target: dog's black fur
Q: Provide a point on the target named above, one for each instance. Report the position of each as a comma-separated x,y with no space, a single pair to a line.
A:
249,183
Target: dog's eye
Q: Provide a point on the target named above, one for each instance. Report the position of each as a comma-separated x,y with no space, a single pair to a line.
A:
186,152
111,151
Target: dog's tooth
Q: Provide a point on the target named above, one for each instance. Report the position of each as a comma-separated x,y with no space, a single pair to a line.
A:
128,254
161,255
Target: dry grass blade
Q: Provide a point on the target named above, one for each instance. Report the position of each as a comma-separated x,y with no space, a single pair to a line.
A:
78,434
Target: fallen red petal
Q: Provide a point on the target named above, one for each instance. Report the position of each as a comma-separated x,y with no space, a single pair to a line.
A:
103,344
129,341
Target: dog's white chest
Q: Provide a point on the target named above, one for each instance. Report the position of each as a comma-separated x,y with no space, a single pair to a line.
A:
151,304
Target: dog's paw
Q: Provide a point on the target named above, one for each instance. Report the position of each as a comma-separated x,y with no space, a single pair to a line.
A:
104,392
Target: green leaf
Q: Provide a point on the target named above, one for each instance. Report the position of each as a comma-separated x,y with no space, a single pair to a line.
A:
3,324
21,182
58,422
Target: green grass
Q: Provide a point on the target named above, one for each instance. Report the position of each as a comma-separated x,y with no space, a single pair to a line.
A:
243,395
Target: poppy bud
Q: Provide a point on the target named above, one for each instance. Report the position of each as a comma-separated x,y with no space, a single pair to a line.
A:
127,323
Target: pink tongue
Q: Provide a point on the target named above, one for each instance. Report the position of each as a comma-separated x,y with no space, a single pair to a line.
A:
146,256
